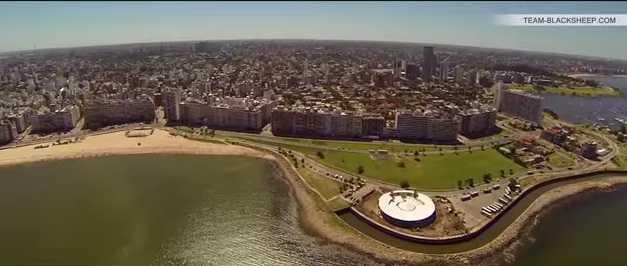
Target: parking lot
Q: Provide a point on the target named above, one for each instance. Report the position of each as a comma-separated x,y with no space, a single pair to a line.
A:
472,207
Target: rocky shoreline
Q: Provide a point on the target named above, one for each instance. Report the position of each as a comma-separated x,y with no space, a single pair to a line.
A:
320,223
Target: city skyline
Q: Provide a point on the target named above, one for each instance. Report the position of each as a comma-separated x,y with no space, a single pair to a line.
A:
77,24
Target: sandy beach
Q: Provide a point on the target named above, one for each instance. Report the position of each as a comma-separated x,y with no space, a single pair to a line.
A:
117,143
314,217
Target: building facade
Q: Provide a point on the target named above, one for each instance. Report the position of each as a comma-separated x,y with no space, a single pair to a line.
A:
100,113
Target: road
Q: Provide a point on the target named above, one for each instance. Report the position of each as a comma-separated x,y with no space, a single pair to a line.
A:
473,147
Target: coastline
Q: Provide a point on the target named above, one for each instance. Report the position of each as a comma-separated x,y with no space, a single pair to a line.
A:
117,143
314,218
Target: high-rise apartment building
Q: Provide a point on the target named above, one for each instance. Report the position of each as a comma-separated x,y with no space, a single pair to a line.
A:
172,101
519,104
412,72
444,68
459,74
428,63
425,126
477,122
472,78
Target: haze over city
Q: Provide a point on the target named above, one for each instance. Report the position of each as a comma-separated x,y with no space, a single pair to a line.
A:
28,25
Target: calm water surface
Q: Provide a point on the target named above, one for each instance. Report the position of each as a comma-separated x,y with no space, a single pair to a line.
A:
154,210
590,230
589,110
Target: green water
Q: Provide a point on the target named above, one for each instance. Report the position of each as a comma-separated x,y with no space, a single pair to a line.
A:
153,210
588,230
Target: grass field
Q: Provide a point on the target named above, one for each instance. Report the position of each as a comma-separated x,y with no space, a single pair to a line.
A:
584,91
327,187
560,160
620,161
432,172
338,204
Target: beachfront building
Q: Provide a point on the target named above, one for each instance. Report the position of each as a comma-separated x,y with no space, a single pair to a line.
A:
103,112
407,208
317,122
64,119
234,113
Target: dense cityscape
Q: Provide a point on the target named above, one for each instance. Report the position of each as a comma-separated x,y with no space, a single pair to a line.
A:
326,89
301,133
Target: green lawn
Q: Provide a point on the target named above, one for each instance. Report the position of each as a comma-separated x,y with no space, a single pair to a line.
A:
620,161
327,187
560,160
432,172
338,204
585,91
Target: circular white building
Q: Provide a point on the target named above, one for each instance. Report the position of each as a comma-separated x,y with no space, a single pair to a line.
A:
407,208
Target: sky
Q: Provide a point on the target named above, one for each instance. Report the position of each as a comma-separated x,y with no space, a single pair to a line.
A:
25,25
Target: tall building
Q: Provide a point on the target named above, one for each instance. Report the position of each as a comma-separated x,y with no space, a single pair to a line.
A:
373,125
472,78
428,63
112,112
425,126
8,132
498,95
444,71
306,121
399,68
459,74
477,122
172,101
412,72
382,78
519,104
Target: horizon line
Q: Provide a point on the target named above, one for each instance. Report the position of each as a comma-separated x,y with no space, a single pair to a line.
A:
305,39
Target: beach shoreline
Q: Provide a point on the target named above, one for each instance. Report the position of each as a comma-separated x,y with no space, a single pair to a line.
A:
313,217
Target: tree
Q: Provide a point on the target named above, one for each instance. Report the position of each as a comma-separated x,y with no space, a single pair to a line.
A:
460,184
440,149
302,160
511,172
360,169
401,164
502,172
487,178
320,154
404,184
416,153
471,182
